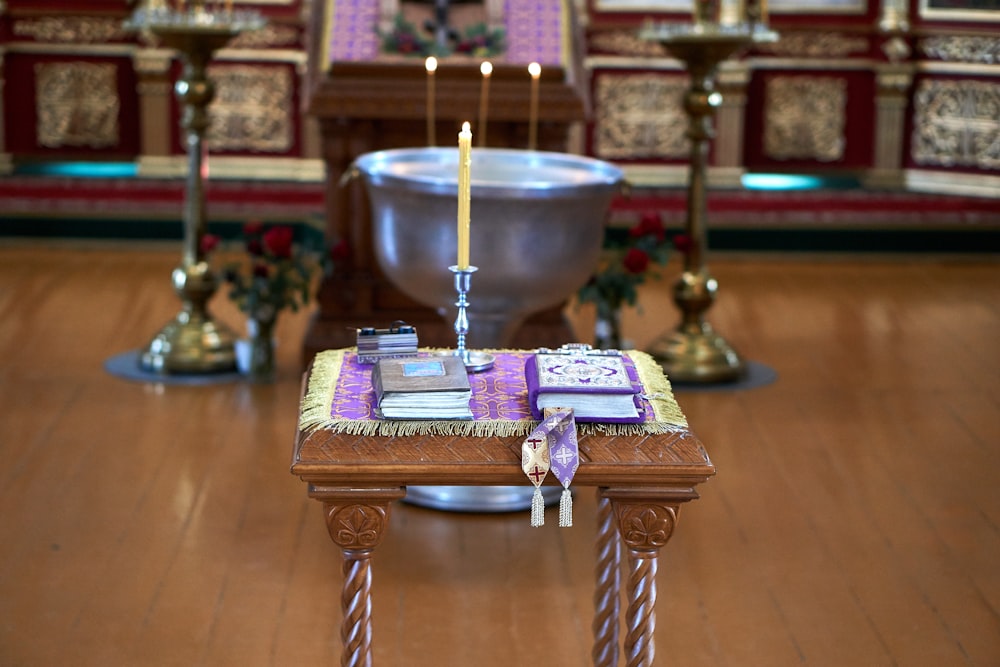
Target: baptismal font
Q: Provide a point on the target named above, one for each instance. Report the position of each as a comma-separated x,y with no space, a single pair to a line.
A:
192,342
694,352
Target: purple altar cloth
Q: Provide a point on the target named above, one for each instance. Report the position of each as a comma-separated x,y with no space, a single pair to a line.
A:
340,398
497,394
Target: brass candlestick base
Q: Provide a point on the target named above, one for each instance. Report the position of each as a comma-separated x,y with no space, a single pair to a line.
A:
192,342
694,352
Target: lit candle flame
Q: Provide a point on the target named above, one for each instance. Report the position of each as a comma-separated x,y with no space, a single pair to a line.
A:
484,95
535,70
431,65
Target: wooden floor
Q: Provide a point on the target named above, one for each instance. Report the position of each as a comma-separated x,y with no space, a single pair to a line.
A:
855,518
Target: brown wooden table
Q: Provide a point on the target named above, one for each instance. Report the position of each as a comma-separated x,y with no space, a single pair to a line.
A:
641,481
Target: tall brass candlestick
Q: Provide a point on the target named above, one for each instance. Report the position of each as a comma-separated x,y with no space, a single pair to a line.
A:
431,65
193,342
535,70
484,100
694,352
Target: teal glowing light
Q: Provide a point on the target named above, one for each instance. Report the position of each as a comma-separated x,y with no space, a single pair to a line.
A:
781,182
79,169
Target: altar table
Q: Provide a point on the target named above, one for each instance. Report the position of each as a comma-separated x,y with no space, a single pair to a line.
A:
357,466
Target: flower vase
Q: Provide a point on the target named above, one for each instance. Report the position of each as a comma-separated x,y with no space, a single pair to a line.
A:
607,327
261,365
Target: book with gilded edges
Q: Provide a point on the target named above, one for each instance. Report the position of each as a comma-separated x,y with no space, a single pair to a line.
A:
599,387
433,387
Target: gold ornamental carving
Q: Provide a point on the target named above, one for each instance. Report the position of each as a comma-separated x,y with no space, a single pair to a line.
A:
356,527
625,43
252,110
815,45
77,104
70,29
805,118
646,527
270,36
640,116
962,48
956,123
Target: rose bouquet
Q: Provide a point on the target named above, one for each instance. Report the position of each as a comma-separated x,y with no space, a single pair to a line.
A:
624,267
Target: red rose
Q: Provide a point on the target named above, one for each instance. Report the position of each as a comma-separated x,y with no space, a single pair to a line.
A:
649,224
636,260
209,242
683,243
255,248
340,251
252,228
278,241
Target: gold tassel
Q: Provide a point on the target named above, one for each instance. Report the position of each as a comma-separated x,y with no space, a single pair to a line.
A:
566,509
537,508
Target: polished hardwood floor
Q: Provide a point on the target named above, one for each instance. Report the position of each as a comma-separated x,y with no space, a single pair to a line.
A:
854,520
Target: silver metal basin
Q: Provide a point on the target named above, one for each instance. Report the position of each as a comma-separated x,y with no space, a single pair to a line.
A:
537,225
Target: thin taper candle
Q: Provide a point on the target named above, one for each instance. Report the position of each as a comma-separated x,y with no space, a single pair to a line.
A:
484,100
535,70
431,64
464,193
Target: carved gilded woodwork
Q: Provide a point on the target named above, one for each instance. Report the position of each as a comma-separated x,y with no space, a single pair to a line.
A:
815,45
640,116
270,36
962,48
805,118
70,29
252,109
77,104
957,123
626,43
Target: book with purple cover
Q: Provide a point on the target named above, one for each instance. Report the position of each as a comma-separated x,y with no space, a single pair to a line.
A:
599,387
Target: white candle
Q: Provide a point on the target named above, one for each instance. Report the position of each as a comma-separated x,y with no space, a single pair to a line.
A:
535,70
464,193
431,64
730,13
484,96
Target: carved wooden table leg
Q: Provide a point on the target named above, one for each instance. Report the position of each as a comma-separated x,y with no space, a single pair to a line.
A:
356,520
646,519
606,594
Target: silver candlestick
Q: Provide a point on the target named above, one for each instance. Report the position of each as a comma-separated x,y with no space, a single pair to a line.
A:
474,361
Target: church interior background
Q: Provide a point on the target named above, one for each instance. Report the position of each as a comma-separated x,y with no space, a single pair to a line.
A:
870,128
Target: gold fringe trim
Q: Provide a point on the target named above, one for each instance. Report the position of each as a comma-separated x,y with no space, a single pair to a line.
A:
314,413
318,401
658,390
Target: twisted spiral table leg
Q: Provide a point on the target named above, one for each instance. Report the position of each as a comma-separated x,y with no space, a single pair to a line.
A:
645,519
356,520
356,603
606,595
640,618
